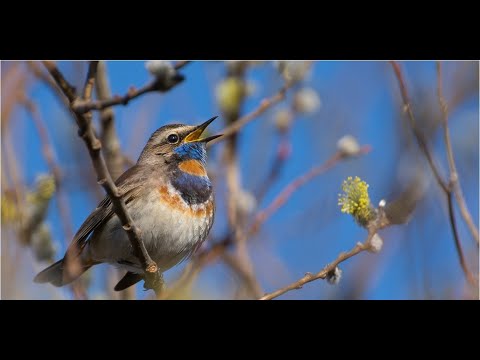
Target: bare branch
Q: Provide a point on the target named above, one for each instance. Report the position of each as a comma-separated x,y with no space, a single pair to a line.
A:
458,245
322,274
426,151
86,132
112,152
108,135
422,142
157,84
48,154
379,223
180,64
454,180
67,89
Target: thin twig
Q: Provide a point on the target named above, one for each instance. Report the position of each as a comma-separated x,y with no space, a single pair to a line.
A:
48,154
180,64
454,180
86,132
322,274
43,76
379,223
112,152
458,245
239,261
422,142
443,185
157,84
108,134
265,104
293,186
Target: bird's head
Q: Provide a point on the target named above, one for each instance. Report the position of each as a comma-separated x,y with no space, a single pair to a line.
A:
177,143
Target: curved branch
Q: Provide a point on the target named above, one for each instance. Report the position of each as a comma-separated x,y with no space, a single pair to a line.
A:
447,188
322,274
455,182
293,186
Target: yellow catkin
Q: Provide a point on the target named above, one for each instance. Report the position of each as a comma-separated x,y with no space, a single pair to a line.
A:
355,200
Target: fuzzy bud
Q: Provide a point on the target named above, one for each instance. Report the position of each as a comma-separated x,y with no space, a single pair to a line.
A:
376,244
230,93
283,120
306,101
160,68
334,276
292,71
348,145
165,74
246,202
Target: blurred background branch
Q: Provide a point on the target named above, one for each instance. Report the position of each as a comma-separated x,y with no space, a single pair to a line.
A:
446,187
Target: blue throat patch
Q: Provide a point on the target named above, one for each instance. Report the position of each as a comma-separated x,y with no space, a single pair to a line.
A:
192,151
193,189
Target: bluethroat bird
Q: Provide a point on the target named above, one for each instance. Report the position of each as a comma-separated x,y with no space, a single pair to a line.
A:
169,197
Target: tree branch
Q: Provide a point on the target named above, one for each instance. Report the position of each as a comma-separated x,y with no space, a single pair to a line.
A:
157,84
422,142
86,132
322,274
113,156
48,154
454,180
379,223
444,186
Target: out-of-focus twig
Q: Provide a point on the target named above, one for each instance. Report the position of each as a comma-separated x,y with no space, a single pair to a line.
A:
193,268
181,63
47,150
86,132
111,145
240,261
285,194
265,104
41,75
447,189
454,180
108,133
276,167
13,83
422,142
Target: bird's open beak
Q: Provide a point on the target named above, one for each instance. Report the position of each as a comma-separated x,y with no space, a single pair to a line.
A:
194,136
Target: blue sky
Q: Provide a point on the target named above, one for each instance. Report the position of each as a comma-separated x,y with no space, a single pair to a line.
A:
358,98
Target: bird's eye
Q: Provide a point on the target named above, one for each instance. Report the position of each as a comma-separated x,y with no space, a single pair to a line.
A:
172,138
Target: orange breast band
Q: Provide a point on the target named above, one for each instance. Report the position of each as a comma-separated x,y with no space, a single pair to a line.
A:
193,167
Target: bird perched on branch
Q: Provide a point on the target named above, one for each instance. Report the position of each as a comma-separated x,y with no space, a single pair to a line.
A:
169,197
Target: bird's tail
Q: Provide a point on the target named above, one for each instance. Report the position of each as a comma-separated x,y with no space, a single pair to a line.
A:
59,274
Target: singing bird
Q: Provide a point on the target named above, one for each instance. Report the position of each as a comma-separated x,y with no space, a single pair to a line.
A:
169,197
